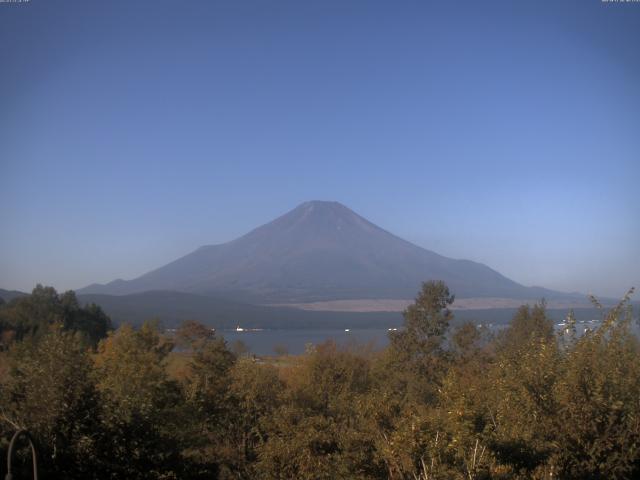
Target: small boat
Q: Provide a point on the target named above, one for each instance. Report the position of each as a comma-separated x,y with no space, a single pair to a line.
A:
239,329
347,330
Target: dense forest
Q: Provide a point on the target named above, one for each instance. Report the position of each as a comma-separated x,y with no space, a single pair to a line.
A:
438,403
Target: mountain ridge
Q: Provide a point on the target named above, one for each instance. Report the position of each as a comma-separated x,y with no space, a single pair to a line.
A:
8,295
320,250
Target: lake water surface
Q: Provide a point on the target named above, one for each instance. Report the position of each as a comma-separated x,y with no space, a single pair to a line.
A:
263,342
294,341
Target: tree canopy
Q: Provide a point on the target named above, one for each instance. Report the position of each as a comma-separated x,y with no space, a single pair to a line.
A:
440,402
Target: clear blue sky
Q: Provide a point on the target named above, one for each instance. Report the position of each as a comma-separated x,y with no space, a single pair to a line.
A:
132,132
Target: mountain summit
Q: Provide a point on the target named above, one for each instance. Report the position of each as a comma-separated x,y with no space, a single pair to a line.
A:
319,251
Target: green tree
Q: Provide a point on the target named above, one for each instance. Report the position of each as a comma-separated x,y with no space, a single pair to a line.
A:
33,314
140,406
207,405
465,399
49,391
417,357
598,415
522,381
255,393
90,320
319,431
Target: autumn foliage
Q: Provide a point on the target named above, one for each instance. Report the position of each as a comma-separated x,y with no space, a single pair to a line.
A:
438,403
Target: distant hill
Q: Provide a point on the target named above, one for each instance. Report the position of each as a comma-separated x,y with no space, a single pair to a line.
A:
8,295
317,252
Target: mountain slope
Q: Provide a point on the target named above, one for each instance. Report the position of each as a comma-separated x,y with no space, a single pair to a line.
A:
319,251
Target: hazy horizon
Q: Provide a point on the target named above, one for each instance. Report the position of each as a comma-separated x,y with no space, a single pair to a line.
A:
131,133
